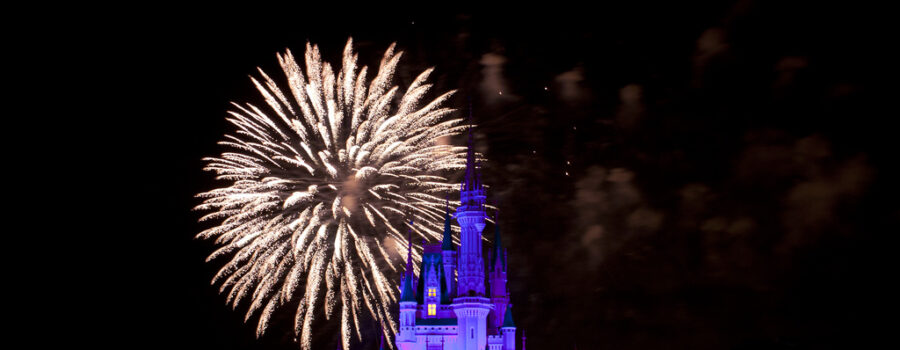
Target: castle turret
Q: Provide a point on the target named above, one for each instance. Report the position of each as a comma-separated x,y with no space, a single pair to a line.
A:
470,305
497,280
508,329
406,335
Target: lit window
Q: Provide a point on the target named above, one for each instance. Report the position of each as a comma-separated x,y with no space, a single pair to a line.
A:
432,309
432,292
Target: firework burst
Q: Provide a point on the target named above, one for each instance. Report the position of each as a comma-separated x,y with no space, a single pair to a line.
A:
317,180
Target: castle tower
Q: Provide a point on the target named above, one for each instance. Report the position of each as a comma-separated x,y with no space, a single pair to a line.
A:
471,217
406,335
470,305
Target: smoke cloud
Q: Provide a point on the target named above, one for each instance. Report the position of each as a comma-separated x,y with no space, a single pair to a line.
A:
494,88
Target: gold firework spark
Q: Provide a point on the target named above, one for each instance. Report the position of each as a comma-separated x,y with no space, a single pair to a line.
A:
317,179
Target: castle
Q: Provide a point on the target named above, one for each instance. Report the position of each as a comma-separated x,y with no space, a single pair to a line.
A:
453,305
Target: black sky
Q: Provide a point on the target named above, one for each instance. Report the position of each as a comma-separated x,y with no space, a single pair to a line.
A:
707,175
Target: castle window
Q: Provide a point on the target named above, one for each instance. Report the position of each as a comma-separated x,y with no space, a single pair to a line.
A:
432,292
432,309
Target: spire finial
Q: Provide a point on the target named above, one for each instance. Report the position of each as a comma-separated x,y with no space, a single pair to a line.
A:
470,113
472,179
523,339
471,124
409,248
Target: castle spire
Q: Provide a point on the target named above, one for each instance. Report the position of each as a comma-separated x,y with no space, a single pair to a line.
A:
472,180
407,294
498,246
448,258
447,243
409,249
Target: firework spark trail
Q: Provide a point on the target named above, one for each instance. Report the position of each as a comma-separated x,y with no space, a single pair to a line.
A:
317,180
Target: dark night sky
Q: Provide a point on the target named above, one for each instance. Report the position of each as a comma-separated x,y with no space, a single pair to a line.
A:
707,175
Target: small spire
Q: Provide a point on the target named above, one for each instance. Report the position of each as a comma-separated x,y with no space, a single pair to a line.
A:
381,346
523,339
447,243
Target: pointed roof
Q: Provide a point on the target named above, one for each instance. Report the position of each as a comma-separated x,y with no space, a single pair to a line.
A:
507,319
447,243
381,346
407,294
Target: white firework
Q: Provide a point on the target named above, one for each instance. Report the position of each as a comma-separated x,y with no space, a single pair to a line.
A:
315,183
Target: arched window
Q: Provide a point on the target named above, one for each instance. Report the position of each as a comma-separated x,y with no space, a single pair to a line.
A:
472,331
